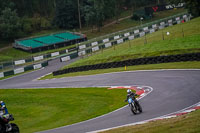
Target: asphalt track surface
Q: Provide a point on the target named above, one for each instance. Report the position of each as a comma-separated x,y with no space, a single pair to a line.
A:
173,90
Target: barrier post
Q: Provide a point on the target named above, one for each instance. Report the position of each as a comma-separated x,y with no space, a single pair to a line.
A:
183,32
145,38
163,35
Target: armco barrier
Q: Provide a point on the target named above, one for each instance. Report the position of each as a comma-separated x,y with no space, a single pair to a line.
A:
11,64
128,34
23,69
139,61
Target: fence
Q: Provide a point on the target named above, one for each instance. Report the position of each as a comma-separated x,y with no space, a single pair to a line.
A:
23,69
4,66
139,61
129,34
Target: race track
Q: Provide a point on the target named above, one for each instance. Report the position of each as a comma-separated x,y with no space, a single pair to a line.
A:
173,90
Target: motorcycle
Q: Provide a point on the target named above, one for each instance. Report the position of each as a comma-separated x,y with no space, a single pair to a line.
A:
135,107
8,128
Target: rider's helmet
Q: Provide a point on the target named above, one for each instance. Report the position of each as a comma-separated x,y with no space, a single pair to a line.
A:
1,102
128,91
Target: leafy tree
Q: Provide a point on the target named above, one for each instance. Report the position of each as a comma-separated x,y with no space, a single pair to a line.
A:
9,24
89,14
100,16
66,15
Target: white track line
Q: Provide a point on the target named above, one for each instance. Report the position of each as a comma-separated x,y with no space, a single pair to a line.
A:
99,116
156,70
157,118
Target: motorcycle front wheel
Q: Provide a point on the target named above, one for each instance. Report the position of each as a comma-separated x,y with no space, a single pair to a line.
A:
133,109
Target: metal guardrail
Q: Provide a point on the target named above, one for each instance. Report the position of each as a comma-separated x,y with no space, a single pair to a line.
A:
132,62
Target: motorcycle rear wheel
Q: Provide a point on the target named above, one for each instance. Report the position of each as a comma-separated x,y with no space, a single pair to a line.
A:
139,108
2,129
15,128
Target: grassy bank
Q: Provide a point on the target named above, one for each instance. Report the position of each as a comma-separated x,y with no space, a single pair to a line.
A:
183,38
128,23
41,109
177,65
183,124
10,53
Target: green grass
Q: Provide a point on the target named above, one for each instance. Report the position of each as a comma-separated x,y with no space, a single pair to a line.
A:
41,109
177,65
11,53
128,23
184,124
175,43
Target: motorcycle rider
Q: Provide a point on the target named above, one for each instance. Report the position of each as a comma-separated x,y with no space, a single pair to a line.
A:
4,115
132,95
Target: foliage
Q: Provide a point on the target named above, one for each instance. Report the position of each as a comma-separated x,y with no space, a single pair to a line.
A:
9,24
66,15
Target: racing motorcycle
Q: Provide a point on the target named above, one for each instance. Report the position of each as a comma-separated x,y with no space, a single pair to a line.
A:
135,107
5,128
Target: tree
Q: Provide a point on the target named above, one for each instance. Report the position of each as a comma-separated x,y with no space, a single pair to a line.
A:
9,24
66,15
100,16
89,15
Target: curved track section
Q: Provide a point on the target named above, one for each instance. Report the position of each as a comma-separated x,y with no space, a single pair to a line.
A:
173,90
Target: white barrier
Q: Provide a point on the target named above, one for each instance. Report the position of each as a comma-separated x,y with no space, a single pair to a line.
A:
116,37
152,30
1,75
81,53
94,43
20,62
178,18
120,41
108,45
184,16
82,46
145,28
105,40
136,31
37,66
55,54
67,58
95,48
162,23
38,58
154,26
170,22
127,34
142,34
131,37
161,27
19,70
